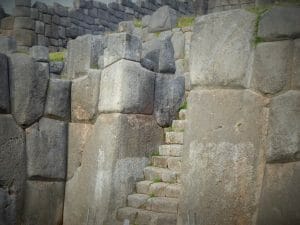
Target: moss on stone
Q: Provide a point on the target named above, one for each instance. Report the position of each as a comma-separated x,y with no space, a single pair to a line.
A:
185,21
56,56
137,23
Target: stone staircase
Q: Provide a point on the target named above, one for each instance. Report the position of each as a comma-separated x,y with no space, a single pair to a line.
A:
156,200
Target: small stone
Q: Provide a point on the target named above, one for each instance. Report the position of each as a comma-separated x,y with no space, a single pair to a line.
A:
164,18
39,53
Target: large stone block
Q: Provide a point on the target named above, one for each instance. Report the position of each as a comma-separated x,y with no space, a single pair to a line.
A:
150,54
284,132
58,99
7,23
280,22
25,37
113,160
4,85
44,203
296,65
166,57
83,54
28,86
122,46
46,147
7,45
165,18
24,23
224,142
85,96
126,87
12,170
26,3
271,66
279,202
221,48
39,53
169,95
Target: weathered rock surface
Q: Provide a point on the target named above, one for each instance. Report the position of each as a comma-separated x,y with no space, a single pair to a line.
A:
28,86
284,132
58,99
223,144
56,67
271,67
122,46
7,44
296,65
25,37
150,54
46,144
166,57
116,89
4,85
220,53
280,193
169,95
44,203
113,159
165,18
178,41
39,53
279,23
83,54
12,170
85,96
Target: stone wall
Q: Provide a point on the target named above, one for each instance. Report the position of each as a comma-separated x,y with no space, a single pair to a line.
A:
241,161
53,26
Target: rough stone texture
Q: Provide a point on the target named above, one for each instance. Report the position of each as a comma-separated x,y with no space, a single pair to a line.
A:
166,57
280,22
271,67
46,144
162,19
56,67
24,23
85,96
220,53
224,142
83,54
126,87
4,86
39,53
12,170
122,46
279,199
7,23
113,160
284,132
169,95
44,203
25,37
296,65
150,54
178,41
79,134
28,86
58,99
7,44
26,3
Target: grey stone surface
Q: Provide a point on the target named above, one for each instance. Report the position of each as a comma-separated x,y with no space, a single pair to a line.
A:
126,87
83,54
21,11
85,96
56,67
12,170
7,23
46,146
284,132
39,53
28,86
25,37
39,27
280,22
7,44
145,20
4,85
164,18
26,3
271,67
58,99
113,160
225,146
178,41
166,57
296,65
150,54
220,53
44,203
122,46
24,23
280,193
169,95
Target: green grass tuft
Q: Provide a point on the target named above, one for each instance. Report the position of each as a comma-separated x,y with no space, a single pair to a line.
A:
152,195
157,180
183,105
185,21
154,154
56,56
157,34
138,23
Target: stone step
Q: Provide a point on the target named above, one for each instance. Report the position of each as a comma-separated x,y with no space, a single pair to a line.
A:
158,189
174,137
138,201
162,174
173,163
178,125
162,204
170,150
182,114
144,217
